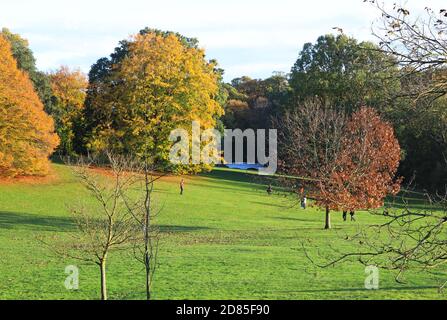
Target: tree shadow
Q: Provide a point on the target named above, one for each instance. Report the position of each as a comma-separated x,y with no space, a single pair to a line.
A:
293,219
181,229
403,288
272,205
35,222
403,201
228,175
226,187
241,178
415,206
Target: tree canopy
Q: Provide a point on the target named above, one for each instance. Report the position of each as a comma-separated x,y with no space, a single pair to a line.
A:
26,62
344,73
162,83
253,102
343,163
27,135
69,92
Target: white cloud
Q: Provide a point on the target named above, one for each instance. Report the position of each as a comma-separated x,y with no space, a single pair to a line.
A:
255,70
270,33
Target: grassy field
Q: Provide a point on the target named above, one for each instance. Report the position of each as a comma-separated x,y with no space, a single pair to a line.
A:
224,239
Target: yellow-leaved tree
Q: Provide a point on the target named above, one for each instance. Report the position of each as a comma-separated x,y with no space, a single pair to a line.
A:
69,91
160,84
27,135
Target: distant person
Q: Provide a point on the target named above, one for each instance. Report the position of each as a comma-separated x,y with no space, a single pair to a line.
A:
345,216
352,213
269,190
304,203
182,186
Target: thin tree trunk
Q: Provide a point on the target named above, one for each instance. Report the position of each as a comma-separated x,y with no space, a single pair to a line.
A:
148,278
102,266
147,261
328,219
147,251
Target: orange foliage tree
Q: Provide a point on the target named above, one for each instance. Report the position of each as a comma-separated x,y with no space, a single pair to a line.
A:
346,163
27,135
367,163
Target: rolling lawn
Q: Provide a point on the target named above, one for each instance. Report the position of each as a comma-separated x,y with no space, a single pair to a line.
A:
224,239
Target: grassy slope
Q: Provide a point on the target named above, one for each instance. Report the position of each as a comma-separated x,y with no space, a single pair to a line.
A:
224,239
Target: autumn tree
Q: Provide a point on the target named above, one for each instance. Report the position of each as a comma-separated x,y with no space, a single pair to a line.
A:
310,141
69,91
343,163
252,102
411,237
162,83
367,164
27,135
27,63
236,110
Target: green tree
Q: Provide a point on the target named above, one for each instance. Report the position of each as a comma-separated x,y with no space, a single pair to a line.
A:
419,45
344,73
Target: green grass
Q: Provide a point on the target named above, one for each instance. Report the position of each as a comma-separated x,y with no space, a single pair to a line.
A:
224,239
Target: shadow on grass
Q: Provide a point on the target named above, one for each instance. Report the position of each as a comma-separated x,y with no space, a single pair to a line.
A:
27,221
36,222
272,205
181,229
403,288
415,201
294,219
415,206
229,188
232,177
235,176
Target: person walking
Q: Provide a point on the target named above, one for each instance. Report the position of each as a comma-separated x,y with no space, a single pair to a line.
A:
304,202
269,190
352,213
182,187
345,216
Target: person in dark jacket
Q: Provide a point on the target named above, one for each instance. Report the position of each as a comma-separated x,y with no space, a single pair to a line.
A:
182,187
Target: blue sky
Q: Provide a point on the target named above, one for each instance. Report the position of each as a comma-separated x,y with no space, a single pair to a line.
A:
247,37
